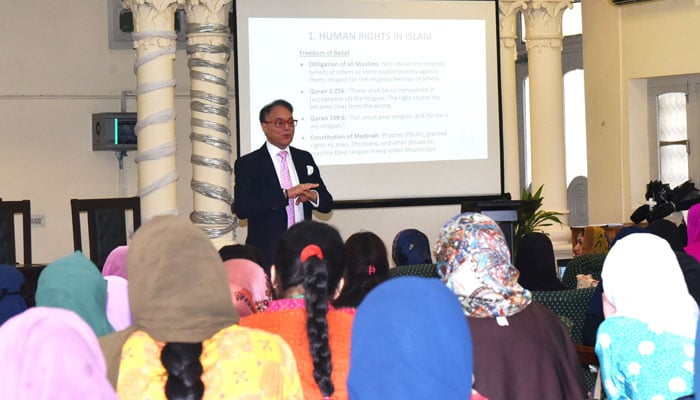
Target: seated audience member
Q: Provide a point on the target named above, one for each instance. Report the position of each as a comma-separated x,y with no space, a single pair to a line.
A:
184,342
397,355
592,240
594,313
115,264
51,354
366,266
244,251
11,300
250,288
411,247
306,273
74,282
693,229
521,349
536,263
689,265
118,311
646,342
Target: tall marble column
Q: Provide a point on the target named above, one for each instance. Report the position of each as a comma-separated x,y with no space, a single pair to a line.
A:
209,51
154,41
508,11
543,35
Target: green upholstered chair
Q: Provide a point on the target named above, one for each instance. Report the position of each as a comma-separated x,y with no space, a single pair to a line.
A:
424,270
571,307
584,264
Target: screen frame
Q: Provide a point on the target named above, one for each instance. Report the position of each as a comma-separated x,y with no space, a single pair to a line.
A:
399,201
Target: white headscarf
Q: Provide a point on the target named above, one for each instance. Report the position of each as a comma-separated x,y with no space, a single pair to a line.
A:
643,280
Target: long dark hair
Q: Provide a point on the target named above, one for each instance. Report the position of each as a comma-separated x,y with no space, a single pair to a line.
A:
310,254
181,362
366,266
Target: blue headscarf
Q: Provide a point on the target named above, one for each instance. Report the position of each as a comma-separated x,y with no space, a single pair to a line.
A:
11,300
410,340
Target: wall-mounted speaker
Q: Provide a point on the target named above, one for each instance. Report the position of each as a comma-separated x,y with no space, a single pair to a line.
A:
114,131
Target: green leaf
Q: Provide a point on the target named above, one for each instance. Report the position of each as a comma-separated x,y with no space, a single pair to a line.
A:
531,218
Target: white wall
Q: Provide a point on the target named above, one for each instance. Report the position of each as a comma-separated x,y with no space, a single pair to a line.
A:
623,47
56,70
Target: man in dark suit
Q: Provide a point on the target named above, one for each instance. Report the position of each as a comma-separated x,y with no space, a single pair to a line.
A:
274,190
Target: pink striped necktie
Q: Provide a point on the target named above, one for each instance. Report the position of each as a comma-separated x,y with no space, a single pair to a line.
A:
286,184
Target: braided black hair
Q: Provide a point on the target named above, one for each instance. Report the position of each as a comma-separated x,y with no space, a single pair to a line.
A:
319,275
181,361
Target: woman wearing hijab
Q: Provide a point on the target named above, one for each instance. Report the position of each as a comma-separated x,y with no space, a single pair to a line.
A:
115,264
250,289
366,266
250,286
11,300
307,270
646,343
411,247
536,263
521,349
118,310
594,313
74,282
398,356
592,240
184,341
51,354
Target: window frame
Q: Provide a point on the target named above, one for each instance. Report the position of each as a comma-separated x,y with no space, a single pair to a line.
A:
690,85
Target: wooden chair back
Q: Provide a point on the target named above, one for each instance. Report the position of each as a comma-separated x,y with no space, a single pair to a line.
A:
106,223
8,245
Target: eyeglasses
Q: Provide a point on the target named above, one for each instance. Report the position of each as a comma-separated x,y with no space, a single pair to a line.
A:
280,123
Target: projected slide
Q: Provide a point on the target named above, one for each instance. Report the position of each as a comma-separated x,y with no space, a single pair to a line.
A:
395,99
375,90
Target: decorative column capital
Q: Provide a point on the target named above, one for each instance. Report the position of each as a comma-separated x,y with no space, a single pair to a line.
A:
154,22
543,19
208,11
153,15
508,21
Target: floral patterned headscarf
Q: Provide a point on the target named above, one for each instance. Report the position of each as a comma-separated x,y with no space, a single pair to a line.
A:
474,261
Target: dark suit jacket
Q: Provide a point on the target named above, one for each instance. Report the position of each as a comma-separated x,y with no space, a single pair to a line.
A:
258,197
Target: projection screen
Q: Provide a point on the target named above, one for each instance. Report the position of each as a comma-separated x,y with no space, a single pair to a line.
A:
395,99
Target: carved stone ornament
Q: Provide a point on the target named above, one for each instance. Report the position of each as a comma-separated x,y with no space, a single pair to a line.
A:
543,19
508,20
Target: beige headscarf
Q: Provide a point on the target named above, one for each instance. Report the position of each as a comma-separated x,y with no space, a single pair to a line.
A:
595,240
178,288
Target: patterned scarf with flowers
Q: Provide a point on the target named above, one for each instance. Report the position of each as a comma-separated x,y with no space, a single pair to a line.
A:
474,261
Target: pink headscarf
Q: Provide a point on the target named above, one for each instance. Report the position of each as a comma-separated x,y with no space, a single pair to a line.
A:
693,224
250,288
51,353
118,310
115,264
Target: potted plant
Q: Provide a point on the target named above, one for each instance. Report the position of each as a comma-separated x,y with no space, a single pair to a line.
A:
531,218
